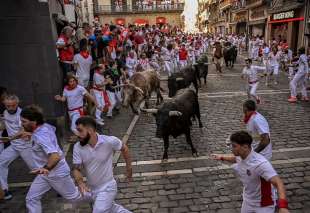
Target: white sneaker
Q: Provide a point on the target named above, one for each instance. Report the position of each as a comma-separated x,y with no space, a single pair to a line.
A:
100,122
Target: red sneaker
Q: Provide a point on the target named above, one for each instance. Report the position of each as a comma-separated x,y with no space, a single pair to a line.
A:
292,99
305,98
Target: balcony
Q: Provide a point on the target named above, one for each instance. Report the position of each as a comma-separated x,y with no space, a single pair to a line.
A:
238,5
125,9
254,3
225,4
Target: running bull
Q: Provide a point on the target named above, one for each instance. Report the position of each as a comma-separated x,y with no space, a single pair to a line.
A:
182,79
139,88
201,68
174,118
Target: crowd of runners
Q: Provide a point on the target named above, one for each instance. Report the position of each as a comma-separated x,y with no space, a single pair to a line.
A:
94,62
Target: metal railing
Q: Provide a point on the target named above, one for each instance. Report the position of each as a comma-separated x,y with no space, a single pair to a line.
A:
138,8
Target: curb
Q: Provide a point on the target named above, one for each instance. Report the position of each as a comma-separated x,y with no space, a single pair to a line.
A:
126,136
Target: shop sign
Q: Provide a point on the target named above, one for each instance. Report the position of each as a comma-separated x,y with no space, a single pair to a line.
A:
284,15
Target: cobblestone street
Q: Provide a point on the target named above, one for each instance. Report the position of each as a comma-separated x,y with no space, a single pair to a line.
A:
187,184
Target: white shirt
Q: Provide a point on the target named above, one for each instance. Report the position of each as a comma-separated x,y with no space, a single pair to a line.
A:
253,172
74,97
98,79
274,58
131,63
44,142
97,161
256,126
251,73
83,67
13,125
303,66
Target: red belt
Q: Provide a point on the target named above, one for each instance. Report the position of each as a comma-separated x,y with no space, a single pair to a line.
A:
253,82
105,97
79,109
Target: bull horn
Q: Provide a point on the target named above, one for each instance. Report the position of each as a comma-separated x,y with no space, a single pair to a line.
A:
154,111
175,113
179,79
137,88
119,86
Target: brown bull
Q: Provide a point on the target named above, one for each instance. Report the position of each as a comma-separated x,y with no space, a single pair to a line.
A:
140,87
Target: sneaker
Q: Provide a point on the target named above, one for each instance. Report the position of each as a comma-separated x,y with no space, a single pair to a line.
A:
7,195
305,98
292,99
100,122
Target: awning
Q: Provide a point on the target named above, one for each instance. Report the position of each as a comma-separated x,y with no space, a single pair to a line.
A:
286,20
261,21
120,21
161,20
141,22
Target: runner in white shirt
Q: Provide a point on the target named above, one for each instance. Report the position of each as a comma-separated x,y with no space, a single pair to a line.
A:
258,127
100,94
83,62
257,176
131,63
274,59
94,155
300,78
250,73
18,147
168,57
51,167
74,94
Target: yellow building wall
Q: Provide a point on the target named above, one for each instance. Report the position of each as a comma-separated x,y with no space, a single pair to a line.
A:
173,19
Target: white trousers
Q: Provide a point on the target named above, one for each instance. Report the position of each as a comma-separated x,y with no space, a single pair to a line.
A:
183,63
251,89
247,208
274,68
300,78
7,157
104,197
74,115
115,98
169,68
130,72
100,100
62,185
83,81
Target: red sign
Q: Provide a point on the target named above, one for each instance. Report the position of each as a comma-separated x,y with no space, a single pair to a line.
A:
120,21
141,22
160,20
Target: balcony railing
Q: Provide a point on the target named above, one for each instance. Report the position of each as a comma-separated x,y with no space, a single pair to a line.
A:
109,9
225,4
238,5
253,3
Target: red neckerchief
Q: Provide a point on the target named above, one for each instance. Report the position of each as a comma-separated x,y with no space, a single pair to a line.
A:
248,117
84,53
69,88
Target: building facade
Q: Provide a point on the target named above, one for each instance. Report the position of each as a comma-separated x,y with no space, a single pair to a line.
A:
271,19
139,12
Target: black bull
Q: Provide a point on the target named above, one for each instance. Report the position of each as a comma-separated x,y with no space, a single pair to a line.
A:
182,79
230,55
174,118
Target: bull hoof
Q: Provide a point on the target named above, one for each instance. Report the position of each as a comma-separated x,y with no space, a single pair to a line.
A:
164,160
195,154
165,157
